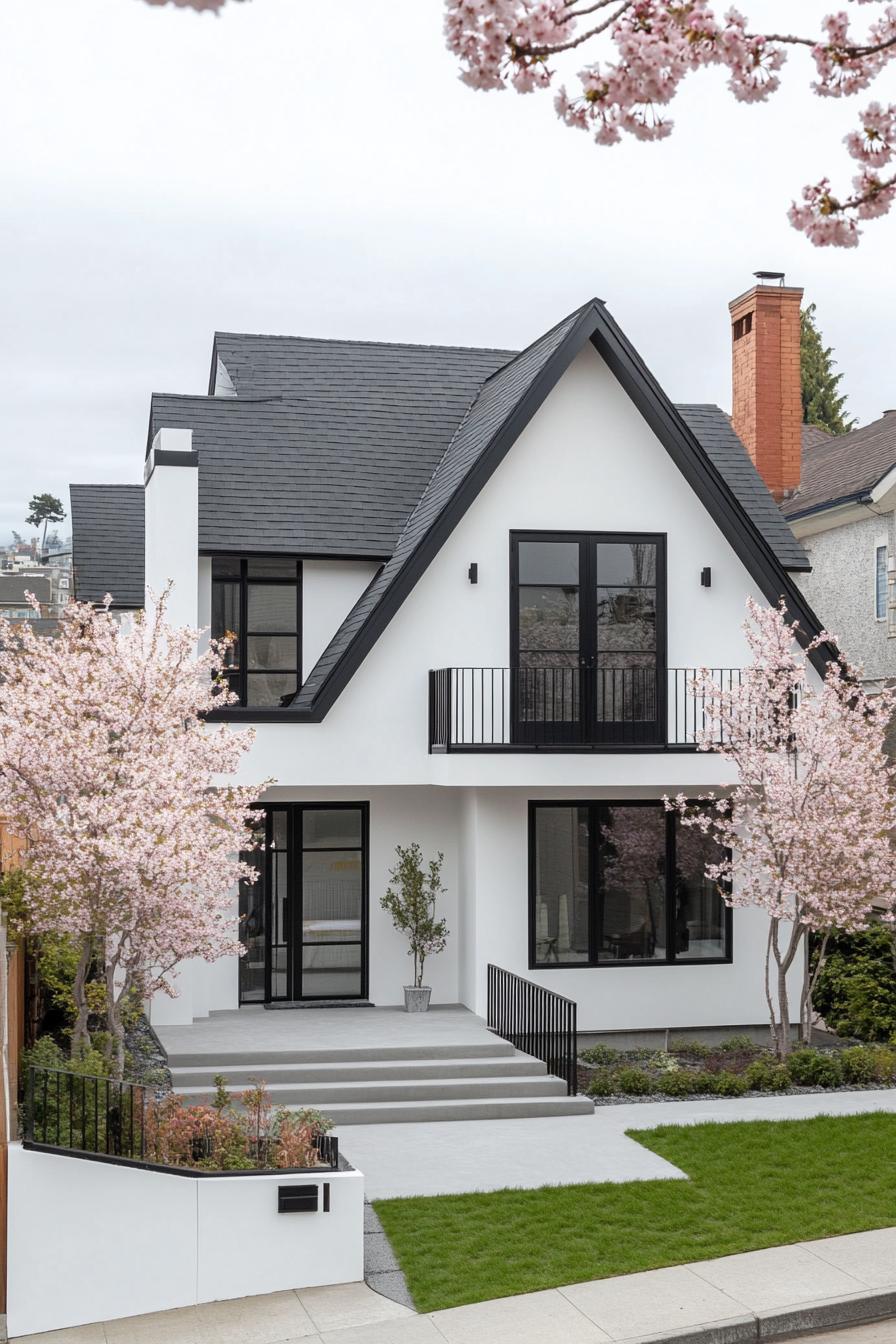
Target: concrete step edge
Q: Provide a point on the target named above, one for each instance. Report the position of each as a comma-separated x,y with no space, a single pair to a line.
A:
327,1094
520,1066
234,1058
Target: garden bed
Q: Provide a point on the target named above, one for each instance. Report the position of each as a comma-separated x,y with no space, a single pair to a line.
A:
735,1068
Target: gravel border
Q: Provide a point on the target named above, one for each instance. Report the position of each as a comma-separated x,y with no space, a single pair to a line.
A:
625,1098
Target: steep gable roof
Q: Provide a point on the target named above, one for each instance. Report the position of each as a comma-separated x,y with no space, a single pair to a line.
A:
504,406
840,468
108,543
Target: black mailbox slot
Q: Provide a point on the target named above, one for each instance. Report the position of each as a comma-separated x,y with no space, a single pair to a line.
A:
297,1199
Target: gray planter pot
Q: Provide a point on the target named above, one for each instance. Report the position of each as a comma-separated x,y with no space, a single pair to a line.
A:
416,1000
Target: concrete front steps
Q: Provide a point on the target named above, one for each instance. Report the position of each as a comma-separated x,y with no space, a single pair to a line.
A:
364,1086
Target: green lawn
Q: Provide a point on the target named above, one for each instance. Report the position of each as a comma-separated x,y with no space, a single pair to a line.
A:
752,1184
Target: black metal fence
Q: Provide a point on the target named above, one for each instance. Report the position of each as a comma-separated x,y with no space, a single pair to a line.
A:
536,1020
527,708
85,1113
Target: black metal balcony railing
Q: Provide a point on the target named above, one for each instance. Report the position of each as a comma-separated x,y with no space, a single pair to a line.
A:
536,1020
567,708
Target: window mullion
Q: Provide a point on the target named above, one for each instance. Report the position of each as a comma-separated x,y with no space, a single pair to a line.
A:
671,895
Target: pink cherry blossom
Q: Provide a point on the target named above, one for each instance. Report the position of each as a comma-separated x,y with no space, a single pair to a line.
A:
109,769
807,819
646,48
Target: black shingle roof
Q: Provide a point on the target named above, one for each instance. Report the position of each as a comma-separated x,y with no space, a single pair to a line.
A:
328,446
345,448
712,429
108,543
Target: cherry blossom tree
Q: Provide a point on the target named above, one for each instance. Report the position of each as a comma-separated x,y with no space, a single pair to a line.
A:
640,51
108,768
806,824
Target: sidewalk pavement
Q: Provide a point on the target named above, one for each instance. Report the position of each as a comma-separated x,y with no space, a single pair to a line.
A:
452,1157
738,1299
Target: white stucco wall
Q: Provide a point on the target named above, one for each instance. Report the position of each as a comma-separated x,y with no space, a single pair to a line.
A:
587,461
840,589
330,588
157,1241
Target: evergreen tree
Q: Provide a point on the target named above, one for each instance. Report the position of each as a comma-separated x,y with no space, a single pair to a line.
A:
822,405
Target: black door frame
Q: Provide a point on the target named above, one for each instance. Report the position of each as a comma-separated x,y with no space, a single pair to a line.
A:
589,730
293,908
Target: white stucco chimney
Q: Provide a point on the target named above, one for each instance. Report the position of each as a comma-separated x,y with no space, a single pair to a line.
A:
171,479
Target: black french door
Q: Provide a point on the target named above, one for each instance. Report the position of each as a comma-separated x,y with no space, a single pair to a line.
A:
588,624
304,922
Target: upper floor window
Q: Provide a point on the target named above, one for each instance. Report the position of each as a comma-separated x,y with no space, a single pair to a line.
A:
880,582
256,603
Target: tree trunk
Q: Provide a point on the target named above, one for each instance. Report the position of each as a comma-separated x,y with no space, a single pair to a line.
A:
80,1033
783,1013
114,1023
809,982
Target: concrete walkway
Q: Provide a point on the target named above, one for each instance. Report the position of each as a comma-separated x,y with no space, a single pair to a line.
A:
456,1157
738,1299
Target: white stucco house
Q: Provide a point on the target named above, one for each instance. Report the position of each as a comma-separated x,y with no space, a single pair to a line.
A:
467,586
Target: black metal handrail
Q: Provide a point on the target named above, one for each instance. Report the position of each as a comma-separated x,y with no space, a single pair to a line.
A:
82,1113
567,708
536,1020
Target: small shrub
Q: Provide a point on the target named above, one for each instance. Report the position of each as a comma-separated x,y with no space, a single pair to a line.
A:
663,1062
704,1083
640,1054
604,1056
678,1083
602,1083
884,1063
727,1084
856,990
633,1082
813,1068
735,1045
859,1064
765,1075
694,1049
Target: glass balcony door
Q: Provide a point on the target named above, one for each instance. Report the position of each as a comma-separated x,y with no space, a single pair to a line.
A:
588,638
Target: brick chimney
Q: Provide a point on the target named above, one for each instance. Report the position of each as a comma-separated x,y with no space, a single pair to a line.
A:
766,401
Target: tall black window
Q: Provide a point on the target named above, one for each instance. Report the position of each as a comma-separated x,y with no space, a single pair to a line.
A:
304,922
614,883
256,603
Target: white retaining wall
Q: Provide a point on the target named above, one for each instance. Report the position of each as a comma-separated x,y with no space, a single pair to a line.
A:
93,1241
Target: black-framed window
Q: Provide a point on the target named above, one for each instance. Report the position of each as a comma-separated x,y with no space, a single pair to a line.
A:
257,604
621,884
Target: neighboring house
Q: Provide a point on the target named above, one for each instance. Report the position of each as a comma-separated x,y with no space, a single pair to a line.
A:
838,492
14,603
467,587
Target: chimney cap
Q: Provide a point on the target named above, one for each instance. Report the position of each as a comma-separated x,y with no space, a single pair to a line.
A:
763,276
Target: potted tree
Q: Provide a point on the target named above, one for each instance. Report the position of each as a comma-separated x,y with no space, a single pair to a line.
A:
411,901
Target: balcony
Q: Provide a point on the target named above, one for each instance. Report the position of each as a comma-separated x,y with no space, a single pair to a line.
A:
566,709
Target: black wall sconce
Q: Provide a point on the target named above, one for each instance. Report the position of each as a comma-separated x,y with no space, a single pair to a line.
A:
706,577
473,573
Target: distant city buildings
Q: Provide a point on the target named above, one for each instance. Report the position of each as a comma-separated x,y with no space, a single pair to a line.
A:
48,575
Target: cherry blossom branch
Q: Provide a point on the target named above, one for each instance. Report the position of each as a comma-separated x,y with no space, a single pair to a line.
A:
653,45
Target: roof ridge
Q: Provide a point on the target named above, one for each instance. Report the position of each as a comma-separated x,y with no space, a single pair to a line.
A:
385,345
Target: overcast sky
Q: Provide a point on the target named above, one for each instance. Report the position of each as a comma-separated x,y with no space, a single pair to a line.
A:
317,169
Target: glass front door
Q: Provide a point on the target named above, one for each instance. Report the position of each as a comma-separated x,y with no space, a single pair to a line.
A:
588,637
306,918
